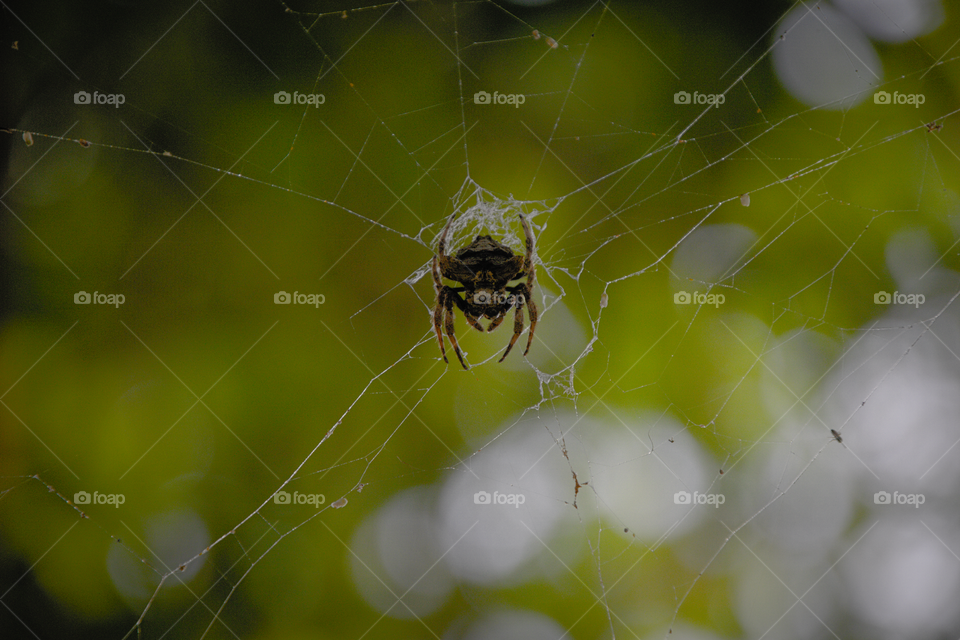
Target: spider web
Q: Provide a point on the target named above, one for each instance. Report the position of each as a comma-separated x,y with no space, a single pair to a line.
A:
737,418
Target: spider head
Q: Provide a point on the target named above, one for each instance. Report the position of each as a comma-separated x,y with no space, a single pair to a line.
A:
485,279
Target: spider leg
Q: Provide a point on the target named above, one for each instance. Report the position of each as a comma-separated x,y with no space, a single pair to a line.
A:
531,281
443,236
437,316
437,319
500,318
438,310
435,272
528,261
465,309
473,322
446,297
533,316
517,329
448,323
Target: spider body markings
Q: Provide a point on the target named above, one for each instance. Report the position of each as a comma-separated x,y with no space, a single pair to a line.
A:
484,268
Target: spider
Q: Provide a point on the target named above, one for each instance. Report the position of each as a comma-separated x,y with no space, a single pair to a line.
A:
484,268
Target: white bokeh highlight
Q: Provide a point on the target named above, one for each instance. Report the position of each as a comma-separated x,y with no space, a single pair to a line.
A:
894,21
824,59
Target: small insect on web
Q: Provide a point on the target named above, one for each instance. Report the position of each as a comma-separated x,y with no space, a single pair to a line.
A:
484,268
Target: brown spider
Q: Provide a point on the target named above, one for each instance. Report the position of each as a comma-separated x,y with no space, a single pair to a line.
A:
483,268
